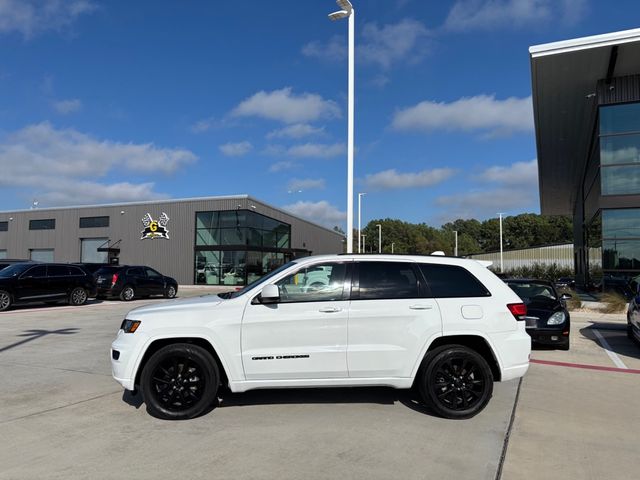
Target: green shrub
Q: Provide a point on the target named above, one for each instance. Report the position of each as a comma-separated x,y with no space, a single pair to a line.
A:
614,302
539,271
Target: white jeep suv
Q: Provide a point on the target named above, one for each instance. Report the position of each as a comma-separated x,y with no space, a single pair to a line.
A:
446,325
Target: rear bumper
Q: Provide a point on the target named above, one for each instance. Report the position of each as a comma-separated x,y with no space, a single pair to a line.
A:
513,350
107,292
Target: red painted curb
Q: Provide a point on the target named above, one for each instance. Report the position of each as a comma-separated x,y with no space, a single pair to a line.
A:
587,367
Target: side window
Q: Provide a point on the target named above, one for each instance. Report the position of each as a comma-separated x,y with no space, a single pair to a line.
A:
76,272
57,271
151,273
451,281
136,272
35,272
317,283
387,280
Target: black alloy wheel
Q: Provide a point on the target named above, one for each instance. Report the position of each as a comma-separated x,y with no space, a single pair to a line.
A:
179,382
127,294
456,382
170,292
78,296
5,300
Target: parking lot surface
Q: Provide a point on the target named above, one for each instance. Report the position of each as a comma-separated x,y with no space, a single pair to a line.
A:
63,416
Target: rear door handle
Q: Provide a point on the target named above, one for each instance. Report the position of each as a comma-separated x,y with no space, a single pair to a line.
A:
330,310
420,307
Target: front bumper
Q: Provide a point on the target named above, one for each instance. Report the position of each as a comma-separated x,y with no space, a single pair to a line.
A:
550,336
126,354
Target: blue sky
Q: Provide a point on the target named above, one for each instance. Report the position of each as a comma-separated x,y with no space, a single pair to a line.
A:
123,101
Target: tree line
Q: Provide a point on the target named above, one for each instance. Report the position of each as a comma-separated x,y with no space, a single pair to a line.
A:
519,231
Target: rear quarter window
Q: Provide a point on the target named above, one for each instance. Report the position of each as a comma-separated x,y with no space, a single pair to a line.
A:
452,281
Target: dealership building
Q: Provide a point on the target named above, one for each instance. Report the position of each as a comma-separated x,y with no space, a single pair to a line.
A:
586,100
229,240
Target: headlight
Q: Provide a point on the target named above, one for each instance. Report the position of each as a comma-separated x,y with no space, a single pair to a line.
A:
557,318
129,326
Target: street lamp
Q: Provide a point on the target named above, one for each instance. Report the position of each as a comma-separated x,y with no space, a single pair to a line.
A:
379,237
360,195
455,249
364,243
347,10
501,260
392,245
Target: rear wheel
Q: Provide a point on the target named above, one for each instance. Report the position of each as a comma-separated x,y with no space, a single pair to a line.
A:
78,296
179,382
5,300
127,294
456,382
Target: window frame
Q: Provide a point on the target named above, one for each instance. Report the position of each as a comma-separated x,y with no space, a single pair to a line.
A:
423,289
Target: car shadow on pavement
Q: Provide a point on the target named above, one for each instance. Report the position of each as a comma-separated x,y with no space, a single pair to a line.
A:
615,336
45,306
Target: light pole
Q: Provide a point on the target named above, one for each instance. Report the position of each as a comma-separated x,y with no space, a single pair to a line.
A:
347,10
379,237
455,249
364,243
501,260
360,195
392,245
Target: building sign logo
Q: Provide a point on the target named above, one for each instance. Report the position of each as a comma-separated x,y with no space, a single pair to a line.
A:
155,228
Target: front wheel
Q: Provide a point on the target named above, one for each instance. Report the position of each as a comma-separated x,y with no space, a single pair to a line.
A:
78,296
456,382
179,382
170,292
5,300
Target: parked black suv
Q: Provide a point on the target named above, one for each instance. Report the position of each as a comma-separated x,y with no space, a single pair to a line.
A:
130,281
45,282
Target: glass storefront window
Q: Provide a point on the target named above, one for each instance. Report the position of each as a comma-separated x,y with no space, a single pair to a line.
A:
623,223
621,254
620,180
622,118
620,149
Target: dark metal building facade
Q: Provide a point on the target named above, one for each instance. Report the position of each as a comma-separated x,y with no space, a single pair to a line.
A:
228,240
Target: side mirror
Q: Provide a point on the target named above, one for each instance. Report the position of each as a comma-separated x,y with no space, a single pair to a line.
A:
270,294
566,296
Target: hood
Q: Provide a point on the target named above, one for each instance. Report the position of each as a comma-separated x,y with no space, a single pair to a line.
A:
204,302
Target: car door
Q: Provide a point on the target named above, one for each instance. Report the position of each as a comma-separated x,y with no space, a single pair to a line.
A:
154,282
391,319
59,280
136,277
304,334
33,284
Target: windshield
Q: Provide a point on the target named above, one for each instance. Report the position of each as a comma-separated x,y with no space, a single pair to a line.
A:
256,283
13,270
533,291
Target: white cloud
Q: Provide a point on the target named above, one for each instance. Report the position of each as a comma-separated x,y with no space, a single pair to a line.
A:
285,106
65,107
236,149
321,212
468,15
297,130
283,165
382,46
482,113
316,150
62,165
32,17
306,184
391,179
509,188
518,173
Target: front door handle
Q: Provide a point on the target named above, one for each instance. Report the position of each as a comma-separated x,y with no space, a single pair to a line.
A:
420,307
330,309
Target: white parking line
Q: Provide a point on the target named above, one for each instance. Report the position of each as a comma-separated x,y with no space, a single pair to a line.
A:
607,348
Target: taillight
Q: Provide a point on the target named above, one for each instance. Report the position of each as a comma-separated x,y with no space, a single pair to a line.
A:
518,310
114,279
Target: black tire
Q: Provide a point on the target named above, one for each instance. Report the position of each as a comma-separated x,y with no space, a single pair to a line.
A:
78,296
455,382
127,294
5,300
169,395
170,292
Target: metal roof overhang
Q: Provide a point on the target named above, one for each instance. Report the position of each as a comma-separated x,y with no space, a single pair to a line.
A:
564,78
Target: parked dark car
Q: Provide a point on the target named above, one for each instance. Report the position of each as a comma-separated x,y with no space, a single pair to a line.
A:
133,281
566,282
547,320
92,268
45,282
